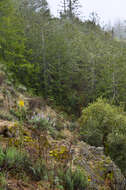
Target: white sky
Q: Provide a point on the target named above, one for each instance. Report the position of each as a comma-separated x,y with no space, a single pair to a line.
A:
108,10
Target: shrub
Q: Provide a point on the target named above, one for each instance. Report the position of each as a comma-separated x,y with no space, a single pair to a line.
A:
39,170
73,126
73,180
41,124
20,114
117,150
79,180
3,182
59,125
98,120
53,132
16,160
66,178
104,124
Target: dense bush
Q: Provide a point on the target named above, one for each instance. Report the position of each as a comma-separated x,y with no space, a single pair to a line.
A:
117,150
103,124
98,120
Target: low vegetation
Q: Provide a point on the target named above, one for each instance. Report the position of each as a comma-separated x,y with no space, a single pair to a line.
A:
19,164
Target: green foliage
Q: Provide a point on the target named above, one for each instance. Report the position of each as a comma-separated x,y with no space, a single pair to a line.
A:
2,156
116,149
39,171
99,120
6,116
2,78
73,126
79,179
66,179
54,133
104,124
3,182
72,180
19,114
15,159
69,63
19,163
41,124
11,40
60,59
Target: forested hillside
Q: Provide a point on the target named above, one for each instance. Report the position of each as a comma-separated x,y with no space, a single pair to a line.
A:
64,59
70,65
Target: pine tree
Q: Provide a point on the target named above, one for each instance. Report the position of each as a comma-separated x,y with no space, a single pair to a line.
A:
11,38
70,8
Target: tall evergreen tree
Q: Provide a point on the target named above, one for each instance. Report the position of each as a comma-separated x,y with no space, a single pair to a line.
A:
11,38
70,8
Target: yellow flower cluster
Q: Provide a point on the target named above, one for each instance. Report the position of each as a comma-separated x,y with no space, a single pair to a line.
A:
60,153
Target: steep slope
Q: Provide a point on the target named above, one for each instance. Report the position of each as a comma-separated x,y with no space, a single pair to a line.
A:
30,125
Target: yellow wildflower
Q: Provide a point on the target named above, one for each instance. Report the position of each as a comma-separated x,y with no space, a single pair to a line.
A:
89,179
21,103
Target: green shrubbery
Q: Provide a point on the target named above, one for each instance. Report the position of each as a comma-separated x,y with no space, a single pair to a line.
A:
3,182
2,156
39,170
12,159
15,159
41,124
98,120
117,149
102,124
20,114
73,180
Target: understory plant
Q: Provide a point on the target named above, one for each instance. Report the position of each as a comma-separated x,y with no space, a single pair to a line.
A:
3,182
39,170
73,180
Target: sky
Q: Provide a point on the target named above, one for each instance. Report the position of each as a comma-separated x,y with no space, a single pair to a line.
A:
109,11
